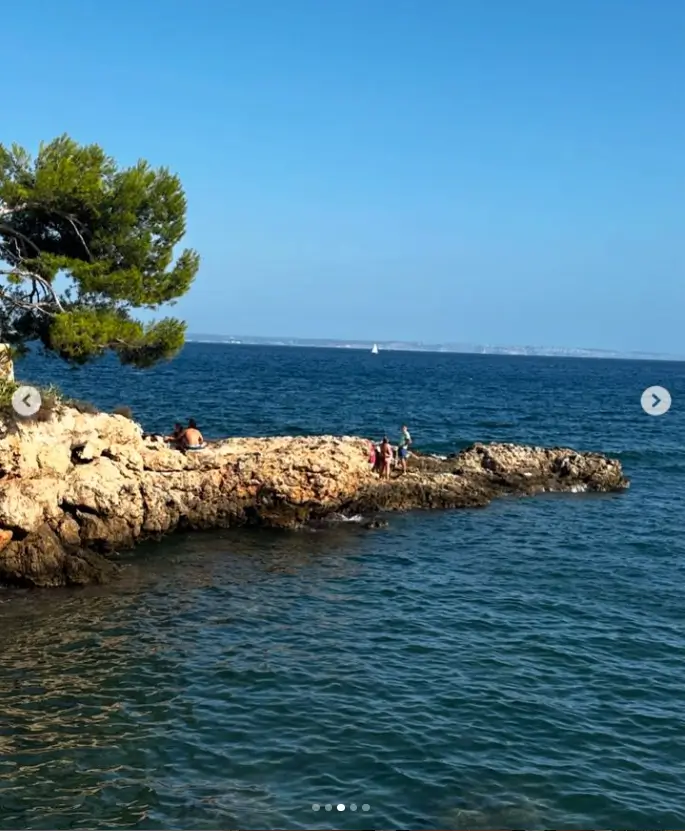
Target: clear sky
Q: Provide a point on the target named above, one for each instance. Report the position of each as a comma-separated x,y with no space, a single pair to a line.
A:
490,171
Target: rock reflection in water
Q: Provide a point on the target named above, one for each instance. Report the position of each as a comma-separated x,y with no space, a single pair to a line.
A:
92,676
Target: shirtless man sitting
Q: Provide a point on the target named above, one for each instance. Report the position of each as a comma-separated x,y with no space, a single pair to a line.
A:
192,437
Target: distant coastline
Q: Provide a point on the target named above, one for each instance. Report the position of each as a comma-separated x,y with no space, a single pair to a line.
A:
414,346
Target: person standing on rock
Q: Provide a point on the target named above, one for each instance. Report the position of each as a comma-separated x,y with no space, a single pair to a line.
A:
403,448
378,467
386,457
402,454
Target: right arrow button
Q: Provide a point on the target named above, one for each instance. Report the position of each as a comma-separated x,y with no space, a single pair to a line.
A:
656,401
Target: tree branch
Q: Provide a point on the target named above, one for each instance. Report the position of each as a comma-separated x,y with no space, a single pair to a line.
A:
5,210
72,222
17,252
8,229
41,281
26,305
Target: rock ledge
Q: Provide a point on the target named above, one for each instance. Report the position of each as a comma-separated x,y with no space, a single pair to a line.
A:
77,488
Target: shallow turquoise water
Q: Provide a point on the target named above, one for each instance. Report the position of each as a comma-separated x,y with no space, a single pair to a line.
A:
514,667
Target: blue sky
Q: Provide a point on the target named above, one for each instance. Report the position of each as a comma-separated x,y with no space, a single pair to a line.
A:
503,171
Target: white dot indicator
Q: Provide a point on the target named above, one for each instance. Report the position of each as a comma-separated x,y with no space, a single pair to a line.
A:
329,807
366,807
340,806
353,807
316,807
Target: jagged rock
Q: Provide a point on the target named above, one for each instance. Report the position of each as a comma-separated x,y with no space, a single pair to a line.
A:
69,531
87,452
81,485
54,459
5,538
40,559
27,503
543,468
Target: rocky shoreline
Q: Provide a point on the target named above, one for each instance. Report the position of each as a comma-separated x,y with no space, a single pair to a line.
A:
79,487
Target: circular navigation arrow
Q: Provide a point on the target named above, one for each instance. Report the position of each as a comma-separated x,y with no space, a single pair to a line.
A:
656,401
26,401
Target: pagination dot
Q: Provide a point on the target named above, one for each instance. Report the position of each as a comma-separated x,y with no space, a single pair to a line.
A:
340,806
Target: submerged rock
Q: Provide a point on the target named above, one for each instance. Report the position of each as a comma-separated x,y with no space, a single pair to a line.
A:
75,489
374,524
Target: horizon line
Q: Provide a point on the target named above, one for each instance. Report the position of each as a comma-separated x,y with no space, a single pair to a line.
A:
422,346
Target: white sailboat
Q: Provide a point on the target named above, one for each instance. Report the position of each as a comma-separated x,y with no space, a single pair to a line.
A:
374,350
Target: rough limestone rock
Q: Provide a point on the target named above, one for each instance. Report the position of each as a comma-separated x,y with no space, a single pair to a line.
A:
75,489
6,363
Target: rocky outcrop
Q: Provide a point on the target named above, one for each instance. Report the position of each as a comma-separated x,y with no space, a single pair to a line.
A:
6,363
78,487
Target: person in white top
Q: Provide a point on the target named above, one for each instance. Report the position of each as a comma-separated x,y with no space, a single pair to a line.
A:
403,449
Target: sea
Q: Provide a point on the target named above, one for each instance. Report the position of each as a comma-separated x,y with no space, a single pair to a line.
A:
519,666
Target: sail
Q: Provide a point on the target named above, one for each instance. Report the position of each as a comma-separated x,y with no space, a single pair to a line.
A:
374,351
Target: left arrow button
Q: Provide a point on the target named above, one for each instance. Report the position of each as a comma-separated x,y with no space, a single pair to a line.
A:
26,401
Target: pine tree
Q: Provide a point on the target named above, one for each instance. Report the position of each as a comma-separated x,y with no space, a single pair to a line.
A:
84,243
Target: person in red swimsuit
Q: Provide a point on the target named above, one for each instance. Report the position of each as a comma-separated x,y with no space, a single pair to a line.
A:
372,454
386,456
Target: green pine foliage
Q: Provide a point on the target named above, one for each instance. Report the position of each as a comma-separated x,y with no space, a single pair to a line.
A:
83,244
51,399
7,390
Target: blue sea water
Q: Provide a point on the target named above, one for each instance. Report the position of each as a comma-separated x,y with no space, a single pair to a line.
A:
519,666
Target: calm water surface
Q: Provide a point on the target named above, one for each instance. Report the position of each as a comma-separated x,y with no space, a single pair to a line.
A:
520,666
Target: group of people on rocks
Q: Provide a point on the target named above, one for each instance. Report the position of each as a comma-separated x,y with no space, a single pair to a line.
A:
186,438
382,457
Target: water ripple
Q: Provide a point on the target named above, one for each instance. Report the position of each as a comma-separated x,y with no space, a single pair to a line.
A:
517,667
